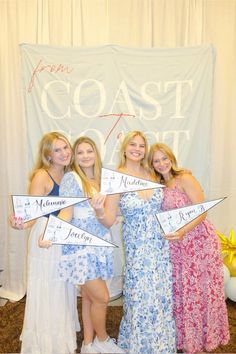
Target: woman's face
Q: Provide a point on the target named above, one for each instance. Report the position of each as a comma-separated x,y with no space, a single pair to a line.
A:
85,155
135,149
161,163
61,153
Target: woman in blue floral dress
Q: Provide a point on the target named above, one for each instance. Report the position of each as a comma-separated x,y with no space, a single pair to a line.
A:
147,325
88,266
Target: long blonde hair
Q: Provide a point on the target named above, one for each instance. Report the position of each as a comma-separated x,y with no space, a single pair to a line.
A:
175,170
43,160
86,184
124,144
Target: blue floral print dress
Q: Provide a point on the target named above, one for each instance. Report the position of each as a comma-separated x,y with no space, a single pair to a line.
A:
82,263
147,325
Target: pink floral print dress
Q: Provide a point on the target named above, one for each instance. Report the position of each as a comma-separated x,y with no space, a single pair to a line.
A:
199,304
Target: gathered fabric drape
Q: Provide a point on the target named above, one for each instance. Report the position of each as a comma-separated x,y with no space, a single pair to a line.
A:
132,23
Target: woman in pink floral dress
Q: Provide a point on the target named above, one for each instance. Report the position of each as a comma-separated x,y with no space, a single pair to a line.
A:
199,303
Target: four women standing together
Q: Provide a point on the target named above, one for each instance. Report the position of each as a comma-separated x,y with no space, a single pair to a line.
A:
149,320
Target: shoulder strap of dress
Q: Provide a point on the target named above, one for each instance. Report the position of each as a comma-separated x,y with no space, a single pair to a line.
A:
52,178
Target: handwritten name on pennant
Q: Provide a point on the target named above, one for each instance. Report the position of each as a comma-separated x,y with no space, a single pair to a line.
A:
173,220
61,232
113,182
32,207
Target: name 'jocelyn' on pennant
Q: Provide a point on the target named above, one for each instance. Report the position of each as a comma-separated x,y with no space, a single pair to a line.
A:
61,232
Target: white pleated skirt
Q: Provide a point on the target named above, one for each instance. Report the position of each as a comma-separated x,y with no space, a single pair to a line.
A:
51,318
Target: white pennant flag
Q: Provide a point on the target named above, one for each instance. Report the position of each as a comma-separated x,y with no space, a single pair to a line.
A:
175,219
32,207
61,232
113,182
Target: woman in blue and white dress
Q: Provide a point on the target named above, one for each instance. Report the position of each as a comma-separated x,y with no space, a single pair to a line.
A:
147,325
88,266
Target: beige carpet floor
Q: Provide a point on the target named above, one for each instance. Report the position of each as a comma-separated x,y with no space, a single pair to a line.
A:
11,320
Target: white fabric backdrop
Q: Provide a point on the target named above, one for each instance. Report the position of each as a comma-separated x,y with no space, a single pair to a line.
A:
131,23
106,91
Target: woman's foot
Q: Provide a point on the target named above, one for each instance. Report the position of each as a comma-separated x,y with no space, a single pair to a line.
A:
107,346
88,348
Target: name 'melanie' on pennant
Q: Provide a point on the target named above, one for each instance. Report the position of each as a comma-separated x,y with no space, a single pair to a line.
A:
32,207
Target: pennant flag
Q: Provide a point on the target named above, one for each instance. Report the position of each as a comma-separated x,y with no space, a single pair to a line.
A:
175,219
32,207
113,182
61,232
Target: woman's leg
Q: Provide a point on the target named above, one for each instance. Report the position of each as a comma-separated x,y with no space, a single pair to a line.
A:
86,317
96,291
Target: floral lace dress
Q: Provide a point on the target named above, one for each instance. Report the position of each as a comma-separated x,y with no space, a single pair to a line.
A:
147,325
82,263
199,303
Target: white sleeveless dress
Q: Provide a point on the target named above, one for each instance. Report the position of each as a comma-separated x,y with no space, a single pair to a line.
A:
51,318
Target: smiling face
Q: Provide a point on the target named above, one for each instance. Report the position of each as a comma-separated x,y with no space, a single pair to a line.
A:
85,156
162,164
135,149
60,153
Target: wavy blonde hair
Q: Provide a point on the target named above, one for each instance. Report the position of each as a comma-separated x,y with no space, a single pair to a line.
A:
86,185
175,170
127,138
43,160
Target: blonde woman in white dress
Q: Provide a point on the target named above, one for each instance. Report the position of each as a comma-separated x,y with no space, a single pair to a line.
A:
50,320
